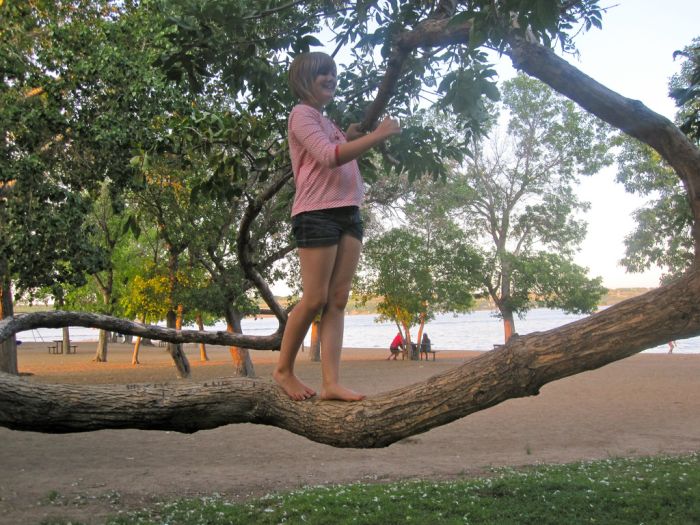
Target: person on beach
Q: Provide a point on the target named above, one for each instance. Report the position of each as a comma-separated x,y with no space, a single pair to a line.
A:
426,345
396,346
326,221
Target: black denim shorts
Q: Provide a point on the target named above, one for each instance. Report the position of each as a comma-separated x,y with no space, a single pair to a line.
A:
312,229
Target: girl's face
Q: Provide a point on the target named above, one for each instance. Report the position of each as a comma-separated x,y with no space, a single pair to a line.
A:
323,88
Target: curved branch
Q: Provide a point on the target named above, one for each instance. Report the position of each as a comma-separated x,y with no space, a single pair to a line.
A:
430,33
23,322
244,252
631,116
519,369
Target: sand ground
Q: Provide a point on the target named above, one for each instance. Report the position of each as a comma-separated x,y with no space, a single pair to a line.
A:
644,405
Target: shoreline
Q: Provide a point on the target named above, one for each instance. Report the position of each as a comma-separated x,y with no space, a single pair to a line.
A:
36,364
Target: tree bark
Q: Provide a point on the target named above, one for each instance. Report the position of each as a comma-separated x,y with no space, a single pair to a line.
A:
66,340
202,347
8,347
421,327
60,318
101,353
242,363
182,365
244,251
508,325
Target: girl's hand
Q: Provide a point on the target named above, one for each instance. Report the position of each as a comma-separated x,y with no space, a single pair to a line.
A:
354,132
352,149
388,127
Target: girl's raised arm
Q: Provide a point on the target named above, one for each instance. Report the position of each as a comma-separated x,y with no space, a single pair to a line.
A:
354,148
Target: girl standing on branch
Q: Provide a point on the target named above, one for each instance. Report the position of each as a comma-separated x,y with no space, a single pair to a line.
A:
326,221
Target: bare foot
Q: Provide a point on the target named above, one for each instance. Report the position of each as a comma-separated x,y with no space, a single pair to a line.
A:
294,388
340,393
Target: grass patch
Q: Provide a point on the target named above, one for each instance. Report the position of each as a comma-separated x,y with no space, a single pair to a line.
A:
660,490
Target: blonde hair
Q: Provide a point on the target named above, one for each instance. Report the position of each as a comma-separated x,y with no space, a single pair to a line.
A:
304,70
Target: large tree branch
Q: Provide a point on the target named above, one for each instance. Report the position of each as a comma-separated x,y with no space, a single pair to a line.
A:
57,319
519,369
244,251
430,33
631,116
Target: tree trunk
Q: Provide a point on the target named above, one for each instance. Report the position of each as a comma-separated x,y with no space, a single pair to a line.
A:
508,325
66,340
102,345
243,365
8,348
182,365
411,352
137,346
315,346
419,337
202,347
135,355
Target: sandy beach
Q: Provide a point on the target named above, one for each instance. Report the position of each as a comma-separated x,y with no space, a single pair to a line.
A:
645,405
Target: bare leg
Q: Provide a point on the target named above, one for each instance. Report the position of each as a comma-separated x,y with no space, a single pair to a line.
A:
333,320
316,270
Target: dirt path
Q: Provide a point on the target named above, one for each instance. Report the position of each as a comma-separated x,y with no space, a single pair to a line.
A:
645,405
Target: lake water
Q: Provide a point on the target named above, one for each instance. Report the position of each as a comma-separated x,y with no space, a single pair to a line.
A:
474,331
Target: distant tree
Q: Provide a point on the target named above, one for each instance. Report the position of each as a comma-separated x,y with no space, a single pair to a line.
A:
516,199
46,165
663,233
417,272
102,291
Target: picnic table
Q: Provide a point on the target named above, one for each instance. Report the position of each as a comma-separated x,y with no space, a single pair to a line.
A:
57,347
427,352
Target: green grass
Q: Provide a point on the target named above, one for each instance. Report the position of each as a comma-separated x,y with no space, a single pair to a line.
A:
660,490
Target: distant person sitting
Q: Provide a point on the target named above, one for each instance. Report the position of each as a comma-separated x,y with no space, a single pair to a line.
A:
425,345
396,346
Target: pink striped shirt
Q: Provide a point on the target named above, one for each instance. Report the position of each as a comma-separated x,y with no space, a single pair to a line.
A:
313,147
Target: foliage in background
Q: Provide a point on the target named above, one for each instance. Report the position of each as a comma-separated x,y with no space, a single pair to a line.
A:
662,237
45,169
418,273
209,118
514,197
685,89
